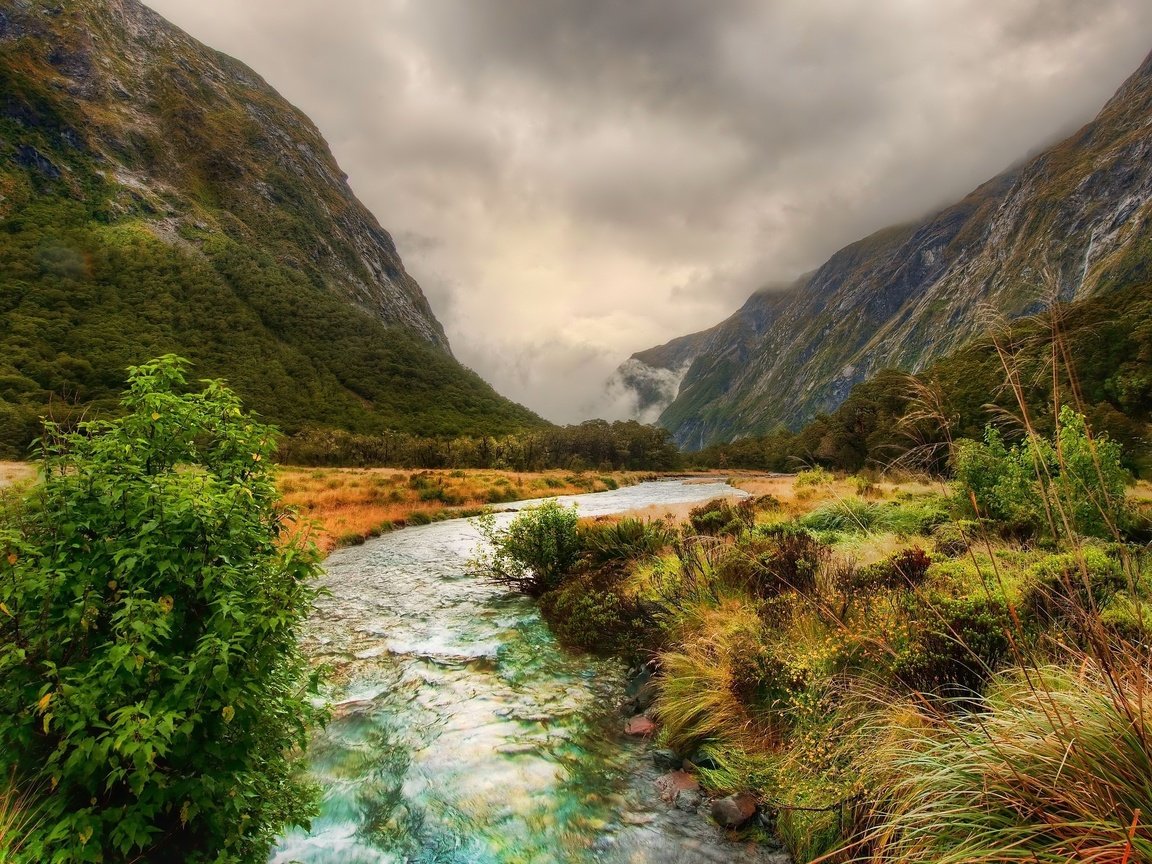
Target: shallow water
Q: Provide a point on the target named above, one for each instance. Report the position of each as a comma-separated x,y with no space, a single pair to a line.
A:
464,734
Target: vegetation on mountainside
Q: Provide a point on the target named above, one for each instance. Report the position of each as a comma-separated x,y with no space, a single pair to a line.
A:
151,686
83,301
208,221
901,673
1096,354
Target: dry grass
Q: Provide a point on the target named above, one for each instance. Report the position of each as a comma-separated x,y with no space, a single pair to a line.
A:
344,506
13,472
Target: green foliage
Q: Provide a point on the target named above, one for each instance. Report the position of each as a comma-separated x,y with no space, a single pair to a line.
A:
1070,586
150,679
960,643
1072,485
627,539
720,516
813,477
617,446
905,569
772,561
587,615
535,553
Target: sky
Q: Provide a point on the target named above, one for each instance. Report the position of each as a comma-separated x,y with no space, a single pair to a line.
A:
572,181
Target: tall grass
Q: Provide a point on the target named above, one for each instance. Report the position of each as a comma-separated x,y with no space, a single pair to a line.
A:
17,820
1056,768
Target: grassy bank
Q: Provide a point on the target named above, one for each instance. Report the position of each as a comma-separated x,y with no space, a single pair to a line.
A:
345,506
897,670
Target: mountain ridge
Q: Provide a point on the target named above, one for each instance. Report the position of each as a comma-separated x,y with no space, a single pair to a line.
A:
1064,224
159,196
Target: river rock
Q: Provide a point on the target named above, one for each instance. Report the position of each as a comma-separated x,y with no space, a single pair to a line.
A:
640,725
666,760
734,810
674,782
689,800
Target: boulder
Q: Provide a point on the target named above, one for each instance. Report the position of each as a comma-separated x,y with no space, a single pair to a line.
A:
689,800
666,760
734,810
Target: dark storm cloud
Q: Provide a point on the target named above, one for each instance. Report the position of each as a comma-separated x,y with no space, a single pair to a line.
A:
583,178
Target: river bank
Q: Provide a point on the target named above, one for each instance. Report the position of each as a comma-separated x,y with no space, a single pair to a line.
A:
807,642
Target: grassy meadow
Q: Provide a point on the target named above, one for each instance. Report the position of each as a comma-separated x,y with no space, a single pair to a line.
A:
895,677
346,506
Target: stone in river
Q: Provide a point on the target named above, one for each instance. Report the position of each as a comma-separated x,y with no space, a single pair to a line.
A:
735,810
640,725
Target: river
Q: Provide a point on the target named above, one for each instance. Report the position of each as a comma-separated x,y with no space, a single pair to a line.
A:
464,734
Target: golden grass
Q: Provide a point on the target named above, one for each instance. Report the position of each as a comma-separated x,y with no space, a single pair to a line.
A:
14,472
343,506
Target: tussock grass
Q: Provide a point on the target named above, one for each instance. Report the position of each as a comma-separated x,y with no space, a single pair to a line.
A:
18,818
1056,768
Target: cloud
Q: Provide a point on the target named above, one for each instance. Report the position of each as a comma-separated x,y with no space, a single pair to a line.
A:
574,181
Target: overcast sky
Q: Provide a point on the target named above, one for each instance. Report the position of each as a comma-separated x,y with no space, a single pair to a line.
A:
574,180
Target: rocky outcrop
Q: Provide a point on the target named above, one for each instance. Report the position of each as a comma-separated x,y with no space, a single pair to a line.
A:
1069,223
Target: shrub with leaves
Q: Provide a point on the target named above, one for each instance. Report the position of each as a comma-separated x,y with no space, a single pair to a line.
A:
150,600
1071,485
535,553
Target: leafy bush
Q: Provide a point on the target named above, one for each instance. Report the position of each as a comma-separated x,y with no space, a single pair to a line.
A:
1072,484
149,671
904,569
813,477
596,618
536,552
1069,586
772,561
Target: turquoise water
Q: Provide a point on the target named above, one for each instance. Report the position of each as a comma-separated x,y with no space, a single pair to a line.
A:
463,733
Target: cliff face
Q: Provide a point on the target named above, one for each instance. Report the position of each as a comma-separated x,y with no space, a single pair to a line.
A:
156,195
195,142
1072,222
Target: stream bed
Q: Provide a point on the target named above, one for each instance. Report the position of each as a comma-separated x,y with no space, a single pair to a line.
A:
463,734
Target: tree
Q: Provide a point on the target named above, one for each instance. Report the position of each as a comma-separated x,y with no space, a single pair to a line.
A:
150,598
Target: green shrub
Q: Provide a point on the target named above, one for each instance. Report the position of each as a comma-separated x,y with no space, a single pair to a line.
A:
625,539
959,644
597,619
1069,586
720,516
813,477
535,553
953,539
150,677
907,568
1075,483
772,561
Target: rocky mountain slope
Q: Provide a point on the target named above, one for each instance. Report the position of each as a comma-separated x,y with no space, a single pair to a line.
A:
1071,223
156,195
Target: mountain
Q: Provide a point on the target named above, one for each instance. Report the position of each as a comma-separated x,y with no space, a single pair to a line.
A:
158,196
1068,224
